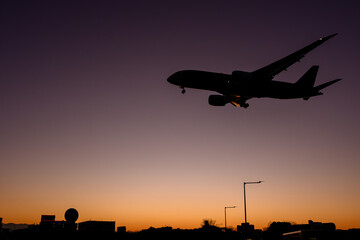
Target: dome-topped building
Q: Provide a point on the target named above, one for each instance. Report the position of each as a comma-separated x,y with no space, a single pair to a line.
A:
71,215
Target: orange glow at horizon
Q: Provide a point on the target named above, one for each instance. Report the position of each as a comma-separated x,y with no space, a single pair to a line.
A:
185,208
138,222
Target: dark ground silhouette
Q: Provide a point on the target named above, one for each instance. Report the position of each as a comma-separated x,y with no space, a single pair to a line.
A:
318,231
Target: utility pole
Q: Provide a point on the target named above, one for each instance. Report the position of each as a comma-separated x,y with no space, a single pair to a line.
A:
245,196
225,214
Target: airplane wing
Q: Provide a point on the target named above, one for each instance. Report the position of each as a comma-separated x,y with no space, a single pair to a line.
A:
269,71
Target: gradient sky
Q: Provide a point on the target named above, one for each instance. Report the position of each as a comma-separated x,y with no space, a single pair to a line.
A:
89,121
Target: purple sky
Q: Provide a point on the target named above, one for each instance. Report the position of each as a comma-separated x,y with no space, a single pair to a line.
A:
89,121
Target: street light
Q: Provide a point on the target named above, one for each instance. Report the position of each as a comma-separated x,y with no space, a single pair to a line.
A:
225,214
245,196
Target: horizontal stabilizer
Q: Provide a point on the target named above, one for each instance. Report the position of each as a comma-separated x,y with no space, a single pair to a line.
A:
318,88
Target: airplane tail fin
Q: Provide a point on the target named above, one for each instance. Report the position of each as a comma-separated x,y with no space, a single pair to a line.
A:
306,82
324,85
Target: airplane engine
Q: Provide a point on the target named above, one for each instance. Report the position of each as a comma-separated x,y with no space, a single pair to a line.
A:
218,100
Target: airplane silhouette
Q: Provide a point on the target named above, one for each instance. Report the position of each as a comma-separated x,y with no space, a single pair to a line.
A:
240,86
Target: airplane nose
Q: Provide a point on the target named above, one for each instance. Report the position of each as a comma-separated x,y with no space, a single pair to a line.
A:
173,80
170,79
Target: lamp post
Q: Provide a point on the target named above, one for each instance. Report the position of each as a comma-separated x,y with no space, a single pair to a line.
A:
245,196
225,214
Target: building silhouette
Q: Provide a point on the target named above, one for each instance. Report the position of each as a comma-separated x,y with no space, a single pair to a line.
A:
97,226
312,230
49,224
71,215
121,229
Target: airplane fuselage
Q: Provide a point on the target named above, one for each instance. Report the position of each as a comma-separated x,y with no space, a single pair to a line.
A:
231,85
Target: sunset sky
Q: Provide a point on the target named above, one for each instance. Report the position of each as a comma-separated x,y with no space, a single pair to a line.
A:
88,120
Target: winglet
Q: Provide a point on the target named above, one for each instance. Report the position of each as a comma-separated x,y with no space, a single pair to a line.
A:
328,37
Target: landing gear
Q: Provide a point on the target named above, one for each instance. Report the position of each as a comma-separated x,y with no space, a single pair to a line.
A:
244,104
239,102
183,90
